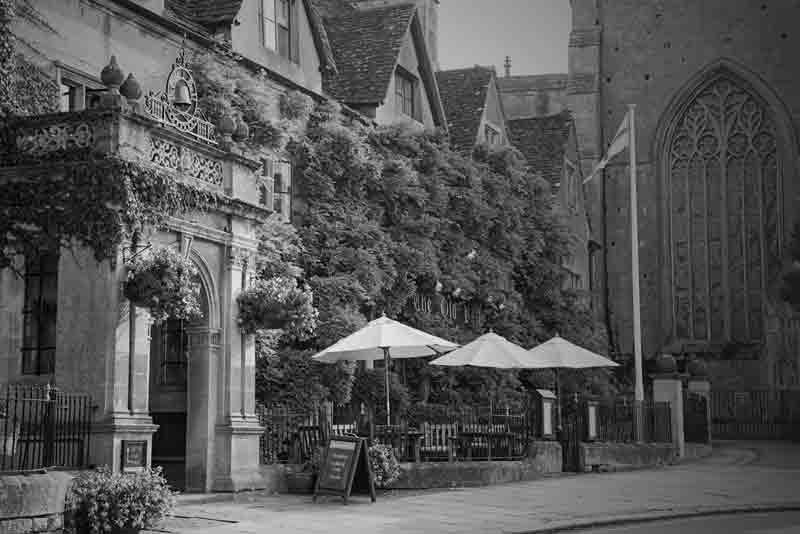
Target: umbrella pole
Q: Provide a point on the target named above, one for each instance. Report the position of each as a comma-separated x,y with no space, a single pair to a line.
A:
386,379
558,398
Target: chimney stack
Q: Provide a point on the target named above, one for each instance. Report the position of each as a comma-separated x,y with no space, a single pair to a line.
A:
507,64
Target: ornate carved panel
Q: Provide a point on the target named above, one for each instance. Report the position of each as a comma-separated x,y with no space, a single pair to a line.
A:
52,141
724,214
185,160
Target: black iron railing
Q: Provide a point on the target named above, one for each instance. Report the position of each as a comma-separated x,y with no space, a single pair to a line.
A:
696,418
42,427
616,421
286,429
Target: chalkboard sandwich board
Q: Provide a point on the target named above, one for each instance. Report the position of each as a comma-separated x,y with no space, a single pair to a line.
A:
346,468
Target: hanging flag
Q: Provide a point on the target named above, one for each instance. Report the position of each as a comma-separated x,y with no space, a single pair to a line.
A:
620,142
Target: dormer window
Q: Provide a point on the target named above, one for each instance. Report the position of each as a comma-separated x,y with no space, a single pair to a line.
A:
492,136
405,88
276,26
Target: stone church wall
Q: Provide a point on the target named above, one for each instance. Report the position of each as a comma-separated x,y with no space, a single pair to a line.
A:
647,53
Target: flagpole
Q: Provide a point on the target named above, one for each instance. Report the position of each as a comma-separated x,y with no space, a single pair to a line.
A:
637,326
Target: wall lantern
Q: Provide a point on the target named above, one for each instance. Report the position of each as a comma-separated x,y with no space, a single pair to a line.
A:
547,407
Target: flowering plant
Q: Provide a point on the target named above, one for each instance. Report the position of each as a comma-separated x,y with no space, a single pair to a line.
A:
166,283
277,303
101,501
385,467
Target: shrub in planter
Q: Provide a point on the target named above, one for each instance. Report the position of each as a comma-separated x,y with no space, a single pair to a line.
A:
277,303
100,501
385,467
165,282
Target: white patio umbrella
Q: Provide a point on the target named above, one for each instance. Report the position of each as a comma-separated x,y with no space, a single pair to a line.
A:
384,337
558,353
488,350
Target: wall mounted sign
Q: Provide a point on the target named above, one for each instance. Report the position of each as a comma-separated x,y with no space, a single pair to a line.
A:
346,468
457,311
134,456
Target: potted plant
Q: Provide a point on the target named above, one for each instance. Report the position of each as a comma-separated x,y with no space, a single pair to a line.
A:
100,501
165,282
303,481
385,467
277,303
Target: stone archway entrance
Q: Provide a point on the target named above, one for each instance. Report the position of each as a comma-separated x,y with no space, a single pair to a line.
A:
173,348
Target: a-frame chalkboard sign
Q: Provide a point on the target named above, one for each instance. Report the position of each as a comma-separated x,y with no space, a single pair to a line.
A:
346,468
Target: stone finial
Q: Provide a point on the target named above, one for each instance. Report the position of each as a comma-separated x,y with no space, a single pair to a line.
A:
131,89
241,132
111,75
225,128
226,125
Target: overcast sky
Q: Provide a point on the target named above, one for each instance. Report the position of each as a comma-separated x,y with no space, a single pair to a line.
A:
535,33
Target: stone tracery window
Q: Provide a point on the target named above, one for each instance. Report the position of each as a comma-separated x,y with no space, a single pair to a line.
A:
723,187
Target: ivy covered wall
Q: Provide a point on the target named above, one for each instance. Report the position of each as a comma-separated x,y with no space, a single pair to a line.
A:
387,213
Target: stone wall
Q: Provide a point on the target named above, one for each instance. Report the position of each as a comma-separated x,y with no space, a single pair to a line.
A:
616,456
545,457
33,502
649,53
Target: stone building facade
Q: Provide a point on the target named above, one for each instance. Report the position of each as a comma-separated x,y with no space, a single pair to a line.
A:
717,117
186,389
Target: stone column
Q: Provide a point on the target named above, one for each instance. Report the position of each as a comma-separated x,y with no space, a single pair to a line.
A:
700,385
668,387
238,429
94,352
201,402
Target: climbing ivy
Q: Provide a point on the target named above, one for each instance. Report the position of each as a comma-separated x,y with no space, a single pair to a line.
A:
24,88
95,204
389,212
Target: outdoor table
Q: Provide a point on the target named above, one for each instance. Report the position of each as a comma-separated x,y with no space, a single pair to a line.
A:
466,440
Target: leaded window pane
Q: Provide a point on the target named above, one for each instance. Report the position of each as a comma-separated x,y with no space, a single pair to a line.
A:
724,214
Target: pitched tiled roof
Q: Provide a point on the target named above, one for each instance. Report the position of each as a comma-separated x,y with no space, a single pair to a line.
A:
332,8
464,99
536,82
366,45
543,140
205,12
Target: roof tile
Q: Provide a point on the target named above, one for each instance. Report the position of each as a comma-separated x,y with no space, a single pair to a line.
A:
366,46
463,93
543,142
205,12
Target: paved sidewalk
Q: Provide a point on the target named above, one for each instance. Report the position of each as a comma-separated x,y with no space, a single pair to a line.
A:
735,477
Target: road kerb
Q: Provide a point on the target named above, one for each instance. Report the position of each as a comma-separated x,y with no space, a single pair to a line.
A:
631,519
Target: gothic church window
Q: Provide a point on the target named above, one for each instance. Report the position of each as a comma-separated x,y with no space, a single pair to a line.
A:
723,186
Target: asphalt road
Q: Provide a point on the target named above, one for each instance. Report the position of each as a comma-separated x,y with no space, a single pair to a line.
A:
769,523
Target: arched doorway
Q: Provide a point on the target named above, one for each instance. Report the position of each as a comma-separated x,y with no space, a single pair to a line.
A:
723,185
169,391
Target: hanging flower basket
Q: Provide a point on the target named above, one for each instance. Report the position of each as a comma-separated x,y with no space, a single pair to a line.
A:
277,303
165,282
